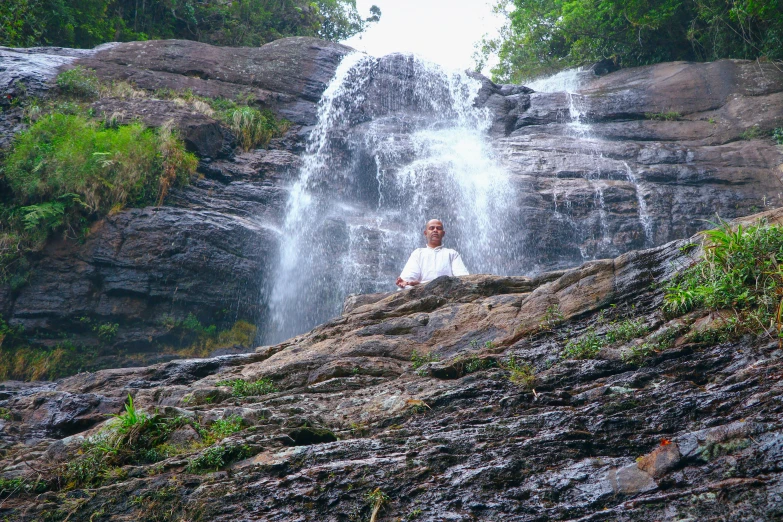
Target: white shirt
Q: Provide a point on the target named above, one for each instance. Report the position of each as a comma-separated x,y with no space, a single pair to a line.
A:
425,264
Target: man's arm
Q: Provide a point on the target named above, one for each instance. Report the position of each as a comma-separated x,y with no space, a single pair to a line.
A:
458,267
411,273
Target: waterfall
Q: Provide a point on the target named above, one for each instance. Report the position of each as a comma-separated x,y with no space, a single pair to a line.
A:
569,82
398,141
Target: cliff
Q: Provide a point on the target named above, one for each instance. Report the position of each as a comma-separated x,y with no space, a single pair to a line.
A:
630,160
456,400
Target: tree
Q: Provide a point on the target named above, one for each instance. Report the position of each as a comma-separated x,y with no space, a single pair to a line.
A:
543,36
87,23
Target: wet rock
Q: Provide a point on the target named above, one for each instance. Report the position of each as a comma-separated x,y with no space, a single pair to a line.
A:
287,75
459,440
660,460
184,436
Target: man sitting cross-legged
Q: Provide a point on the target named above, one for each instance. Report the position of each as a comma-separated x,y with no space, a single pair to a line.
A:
425,264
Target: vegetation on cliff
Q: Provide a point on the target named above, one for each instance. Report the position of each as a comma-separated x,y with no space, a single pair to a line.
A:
739,278
68,169
543,36
87,23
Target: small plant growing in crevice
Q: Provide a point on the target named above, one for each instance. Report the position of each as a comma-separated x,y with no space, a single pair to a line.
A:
777,135
243,388
663,116
626,330
552,318
584,347
752,133
215,457
376,499
521,373
420,360
5,414
474,364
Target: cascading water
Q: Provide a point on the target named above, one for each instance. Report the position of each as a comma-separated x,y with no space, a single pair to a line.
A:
569,82
398,141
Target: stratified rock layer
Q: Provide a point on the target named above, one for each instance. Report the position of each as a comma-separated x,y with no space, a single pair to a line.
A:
694,432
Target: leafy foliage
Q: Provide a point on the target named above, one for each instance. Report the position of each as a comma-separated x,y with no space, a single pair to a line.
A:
663,116
20,486
590,343
552,317
87,23
739,273
67,169
585,347
626,330
65,155
543,36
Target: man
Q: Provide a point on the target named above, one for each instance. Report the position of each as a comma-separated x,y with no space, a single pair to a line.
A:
425,264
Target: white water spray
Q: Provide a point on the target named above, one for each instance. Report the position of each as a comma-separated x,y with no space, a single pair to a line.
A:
398,141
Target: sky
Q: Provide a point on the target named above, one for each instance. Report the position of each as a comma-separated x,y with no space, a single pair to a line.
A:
443,31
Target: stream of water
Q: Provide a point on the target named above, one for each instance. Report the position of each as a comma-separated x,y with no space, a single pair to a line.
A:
398,141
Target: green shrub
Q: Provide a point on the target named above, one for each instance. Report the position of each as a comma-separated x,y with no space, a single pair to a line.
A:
626,330
777,135
474,364
420,360
79,83
739,273
242,388
222,428
107,331
585,347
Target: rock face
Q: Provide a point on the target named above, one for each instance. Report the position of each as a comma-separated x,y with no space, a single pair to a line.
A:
208,251
694,432
606,173
614,179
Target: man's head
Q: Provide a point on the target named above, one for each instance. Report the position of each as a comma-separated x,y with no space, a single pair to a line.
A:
434,232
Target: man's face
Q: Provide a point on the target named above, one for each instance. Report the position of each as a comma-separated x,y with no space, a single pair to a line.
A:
434,233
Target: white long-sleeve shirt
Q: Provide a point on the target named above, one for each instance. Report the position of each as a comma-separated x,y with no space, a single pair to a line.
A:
425,264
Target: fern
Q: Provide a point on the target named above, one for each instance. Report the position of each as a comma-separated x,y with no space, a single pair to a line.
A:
49,215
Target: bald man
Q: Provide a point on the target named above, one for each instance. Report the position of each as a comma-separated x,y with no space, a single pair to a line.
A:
425,264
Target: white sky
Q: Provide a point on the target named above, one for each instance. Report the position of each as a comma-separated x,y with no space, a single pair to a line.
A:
443,31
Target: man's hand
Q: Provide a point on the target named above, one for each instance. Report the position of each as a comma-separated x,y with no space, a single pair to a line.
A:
402,283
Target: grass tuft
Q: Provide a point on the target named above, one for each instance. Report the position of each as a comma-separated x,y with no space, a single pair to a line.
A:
242,388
